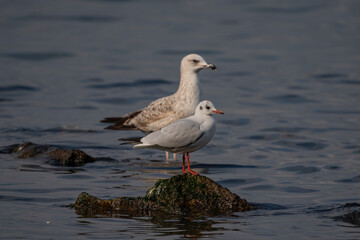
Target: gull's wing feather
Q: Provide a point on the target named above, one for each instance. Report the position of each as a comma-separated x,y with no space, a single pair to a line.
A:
156,115
178,134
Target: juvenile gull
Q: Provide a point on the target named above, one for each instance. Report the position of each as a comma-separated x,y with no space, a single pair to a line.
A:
166,110
185,135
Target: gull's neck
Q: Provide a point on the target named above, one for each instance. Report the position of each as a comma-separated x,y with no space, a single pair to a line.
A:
189,86
188,94
206,121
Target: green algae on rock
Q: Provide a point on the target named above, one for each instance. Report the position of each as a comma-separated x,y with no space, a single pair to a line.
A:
181,194
189,193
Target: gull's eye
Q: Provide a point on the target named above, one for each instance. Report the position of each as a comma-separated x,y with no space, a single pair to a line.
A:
201,108
195,61
207,107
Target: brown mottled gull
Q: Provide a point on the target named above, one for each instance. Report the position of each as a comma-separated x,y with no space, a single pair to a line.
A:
166,110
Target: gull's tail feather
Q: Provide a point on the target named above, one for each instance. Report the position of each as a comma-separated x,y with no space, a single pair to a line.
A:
121,123
131,140
143,145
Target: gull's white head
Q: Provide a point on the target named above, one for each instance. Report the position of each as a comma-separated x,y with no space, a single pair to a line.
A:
206,108
194,63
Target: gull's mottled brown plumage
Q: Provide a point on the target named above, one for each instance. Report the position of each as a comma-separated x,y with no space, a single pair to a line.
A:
166,110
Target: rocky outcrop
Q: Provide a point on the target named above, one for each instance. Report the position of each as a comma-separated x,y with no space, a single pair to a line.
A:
179,195
56,156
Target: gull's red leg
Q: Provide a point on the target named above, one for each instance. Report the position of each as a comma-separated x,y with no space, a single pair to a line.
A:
184,171
188,164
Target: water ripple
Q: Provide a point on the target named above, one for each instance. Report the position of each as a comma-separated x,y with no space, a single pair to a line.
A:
236,122
355,179
349,81
298,190
222,166
184,52
8,198
259,188
270,137
282,9
290,98
117,100
329,75
285,129
37,56
5,100
337,112
235,182
61,129
301,169
137,83
312,146
79,18
270,206
14,88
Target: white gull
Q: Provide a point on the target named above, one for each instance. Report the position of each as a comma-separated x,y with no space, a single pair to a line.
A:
185,135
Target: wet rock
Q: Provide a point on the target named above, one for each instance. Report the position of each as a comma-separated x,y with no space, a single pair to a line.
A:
179,195
87,205
66,157
57,156
352,217
188,193
26,150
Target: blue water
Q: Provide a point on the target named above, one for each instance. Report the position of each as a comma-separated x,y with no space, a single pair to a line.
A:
288,80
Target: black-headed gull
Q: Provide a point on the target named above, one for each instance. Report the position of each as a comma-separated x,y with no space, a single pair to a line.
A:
166,110
185,135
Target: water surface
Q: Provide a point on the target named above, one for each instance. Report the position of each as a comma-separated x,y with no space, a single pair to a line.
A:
288,80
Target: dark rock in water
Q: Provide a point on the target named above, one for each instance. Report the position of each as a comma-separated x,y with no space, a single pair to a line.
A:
89,206
70,157
57,156
188,193
27,149
352,214
351,217
179,195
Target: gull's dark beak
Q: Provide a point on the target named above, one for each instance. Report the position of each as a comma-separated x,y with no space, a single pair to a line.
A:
211,66
218,112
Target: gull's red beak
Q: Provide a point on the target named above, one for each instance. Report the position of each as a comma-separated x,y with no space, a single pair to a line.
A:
218,112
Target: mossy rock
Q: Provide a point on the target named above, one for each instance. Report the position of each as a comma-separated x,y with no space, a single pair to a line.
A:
189,193
184,194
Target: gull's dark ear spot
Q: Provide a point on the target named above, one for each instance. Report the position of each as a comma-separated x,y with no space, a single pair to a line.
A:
201,107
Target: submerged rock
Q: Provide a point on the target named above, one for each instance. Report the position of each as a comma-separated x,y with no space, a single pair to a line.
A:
57,156
352,214
181,194
351,217
26,149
